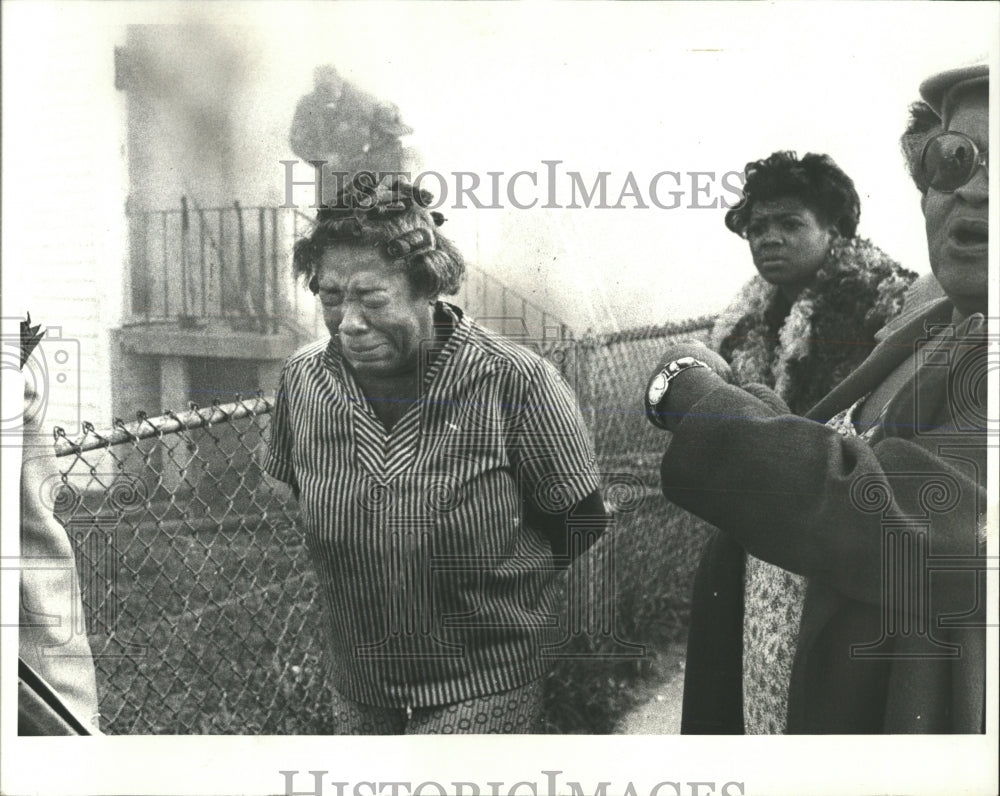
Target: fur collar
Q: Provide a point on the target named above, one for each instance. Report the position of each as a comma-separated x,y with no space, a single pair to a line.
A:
804,349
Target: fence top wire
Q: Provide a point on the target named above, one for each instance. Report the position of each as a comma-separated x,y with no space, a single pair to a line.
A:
648,332
168,423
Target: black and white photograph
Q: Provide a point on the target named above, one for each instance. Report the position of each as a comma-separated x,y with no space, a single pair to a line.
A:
602,383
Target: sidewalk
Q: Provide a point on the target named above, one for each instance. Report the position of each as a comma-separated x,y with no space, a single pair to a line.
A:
660,712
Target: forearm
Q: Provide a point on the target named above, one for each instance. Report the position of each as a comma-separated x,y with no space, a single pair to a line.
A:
790,491
571,533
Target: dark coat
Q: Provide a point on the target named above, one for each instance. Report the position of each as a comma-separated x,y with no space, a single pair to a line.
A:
793,492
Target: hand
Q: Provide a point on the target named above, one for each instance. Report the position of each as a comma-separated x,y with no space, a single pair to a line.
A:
698,350
769,397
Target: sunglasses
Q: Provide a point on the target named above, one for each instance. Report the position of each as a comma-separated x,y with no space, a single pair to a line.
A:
949,160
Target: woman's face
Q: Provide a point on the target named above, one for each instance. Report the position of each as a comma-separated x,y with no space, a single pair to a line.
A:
957,223
787,241
369,307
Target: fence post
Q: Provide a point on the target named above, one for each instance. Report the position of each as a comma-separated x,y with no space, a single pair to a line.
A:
175,386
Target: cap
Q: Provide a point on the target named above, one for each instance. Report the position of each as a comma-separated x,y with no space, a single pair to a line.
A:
325,73
940,90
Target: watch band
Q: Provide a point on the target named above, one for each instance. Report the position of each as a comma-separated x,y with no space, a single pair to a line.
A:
659,385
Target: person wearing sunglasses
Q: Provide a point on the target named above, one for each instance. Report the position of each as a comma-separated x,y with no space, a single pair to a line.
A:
875,499
922,124
954,164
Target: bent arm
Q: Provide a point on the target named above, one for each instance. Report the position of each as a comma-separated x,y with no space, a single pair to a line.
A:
555,468
797,494
571,533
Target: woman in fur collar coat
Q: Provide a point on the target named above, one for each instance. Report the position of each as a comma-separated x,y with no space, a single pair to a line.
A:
810,316
808,600
800,327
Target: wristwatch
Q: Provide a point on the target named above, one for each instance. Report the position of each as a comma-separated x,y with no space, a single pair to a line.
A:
660,383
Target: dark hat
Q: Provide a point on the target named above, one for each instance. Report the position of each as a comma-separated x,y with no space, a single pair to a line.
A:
940,90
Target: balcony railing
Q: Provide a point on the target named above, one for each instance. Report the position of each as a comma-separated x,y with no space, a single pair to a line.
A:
504,310
231,265
190,265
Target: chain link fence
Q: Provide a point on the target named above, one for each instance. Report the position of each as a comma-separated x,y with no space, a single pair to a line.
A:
614,370
200,602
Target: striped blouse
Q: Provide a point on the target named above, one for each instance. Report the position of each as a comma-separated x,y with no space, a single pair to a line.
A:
436,590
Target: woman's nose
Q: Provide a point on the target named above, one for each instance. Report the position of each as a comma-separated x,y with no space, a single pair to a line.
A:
353,320
768,237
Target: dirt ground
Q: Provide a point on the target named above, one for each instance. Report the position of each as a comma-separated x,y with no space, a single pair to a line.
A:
659,713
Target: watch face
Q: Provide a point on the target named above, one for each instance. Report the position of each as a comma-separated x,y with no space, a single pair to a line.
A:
657,389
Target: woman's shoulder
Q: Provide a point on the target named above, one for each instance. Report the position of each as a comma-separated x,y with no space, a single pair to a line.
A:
305,360
521,358
308,351
858,260
863,280
752,300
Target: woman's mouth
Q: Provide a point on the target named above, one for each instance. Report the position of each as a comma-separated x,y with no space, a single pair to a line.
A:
362,351
771,258
968,233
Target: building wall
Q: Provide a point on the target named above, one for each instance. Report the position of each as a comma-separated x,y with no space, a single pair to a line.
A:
64,190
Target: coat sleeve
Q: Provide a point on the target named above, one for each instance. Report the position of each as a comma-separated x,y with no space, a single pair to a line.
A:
794,492
52,640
